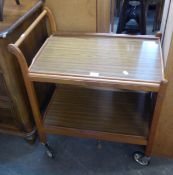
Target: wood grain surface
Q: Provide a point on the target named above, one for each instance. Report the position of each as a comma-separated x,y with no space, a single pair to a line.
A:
100,57
21,121
3,93
74,15
163,142
118,112
103,16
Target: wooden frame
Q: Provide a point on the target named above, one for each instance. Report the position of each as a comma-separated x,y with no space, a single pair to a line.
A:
107,83
163,141
22,62
156,115
110,83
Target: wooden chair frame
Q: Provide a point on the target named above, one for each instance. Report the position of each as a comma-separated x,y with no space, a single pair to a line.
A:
15,50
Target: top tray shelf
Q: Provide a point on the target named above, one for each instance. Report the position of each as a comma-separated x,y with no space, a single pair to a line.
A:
125,62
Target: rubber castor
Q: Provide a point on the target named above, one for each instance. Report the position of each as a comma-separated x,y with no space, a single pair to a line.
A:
49,151
141,159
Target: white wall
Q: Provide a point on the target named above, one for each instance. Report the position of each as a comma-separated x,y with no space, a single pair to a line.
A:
167,27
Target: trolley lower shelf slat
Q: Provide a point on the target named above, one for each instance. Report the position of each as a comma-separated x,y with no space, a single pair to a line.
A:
109,115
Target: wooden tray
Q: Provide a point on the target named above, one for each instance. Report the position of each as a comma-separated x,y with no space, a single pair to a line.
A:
132,63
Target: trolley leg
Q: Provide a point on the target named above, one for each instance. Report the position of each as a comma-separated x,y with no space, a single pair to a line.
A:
99,145
141,158
14,49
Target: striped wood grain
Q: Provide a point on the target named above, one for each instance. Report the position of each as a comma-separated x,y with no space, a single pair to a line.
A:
100,57
116,112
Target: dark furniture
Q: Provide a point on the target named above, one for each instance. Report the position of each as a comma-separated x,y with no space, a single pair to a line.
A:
15,111
158,15
132,10
2,7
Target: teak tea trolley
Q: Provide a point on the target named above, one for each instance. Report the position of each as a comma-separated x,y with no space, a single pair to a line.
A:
108,87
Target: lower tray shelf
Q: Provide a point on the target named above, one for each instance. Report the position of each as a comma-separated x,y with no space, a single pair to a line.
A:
110,115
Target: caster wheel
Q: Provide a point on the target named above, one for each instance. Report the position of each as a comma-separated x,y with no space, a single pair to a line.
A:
99,145
141,159
49,151
50,154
